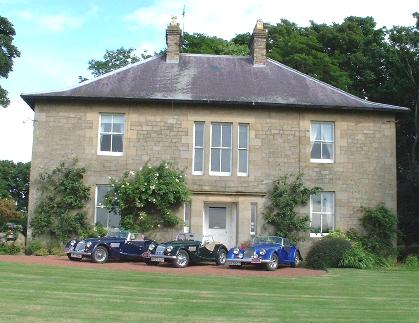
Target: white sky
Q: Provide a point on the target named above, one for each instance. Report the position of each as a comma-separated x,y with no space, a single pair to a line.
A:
57,38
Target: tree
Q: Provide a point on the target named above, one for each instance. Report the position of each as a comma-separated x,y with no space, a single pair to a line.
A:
63,196
287,193
14,182
8,212
8,52
203,44
146,199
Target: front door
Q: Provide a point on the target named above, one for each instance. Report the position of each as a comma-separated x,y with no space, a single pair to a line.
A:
220,222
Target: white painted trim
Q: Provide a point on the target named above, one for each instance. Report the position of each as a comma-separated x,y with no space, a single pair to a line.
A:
322,161
212,173
111,153
318,235
333,142
321,234
247,149
194,172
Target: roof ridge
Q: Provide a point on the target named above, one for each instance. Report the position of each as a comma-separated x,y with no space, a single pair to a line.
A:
331,86
214,55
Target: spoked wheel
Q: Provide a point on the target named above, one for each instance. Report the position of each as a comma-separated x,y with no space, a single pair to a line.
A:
182,259
273,264
221,257
100,255
296,260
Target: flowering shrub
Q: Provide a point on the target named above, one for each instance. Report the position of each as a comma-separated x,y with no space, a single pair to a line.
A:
146,199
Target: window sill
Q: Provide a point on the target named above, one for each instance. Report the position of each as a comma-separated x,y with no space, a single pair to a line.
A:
197,173
243,174
322,161
318,235
219,174
107,153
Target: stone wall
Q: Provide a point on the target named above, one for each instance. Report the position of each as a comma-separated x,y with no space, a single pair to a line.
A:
363,174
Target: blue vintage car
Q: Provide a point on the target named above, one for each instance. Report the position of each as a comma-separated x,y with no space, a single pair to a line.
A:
116,244
270,251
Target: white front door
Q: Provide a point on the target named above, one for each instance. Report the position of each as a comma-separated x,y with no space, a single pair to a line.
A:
220,222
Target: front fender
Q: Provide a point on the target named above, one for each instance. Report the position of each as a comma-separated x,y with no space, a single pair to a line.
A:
269,254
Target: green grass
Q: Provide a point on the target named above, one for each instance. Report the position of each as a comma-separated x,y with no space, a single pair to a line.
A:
34,293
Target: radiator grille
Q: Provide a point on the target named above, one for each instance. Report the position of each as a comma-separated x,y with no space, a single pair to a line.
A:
248,253
80,246
160,250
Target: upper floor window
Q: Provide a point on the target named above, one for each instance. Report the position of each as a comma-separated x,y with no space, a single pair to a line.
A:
111,134
198,153
243,150
322,139
220,161
102,215
322,213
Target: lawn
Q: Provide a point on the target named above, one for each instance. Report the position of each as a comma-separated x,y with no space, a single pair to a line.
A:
36,293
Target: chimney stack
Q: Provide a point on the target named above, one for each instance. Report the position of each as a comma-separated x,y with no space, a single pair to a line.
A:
173,33
258,44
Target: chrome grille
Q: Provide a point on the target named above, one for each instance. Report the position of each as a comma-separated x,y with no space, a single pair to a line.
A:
80,246
248,253
160,250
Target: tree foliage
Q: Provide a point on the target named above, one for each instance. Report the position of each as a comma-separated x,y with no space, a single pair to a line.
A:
14,182
8,212
63,196
287,193
146,199
202,44
8,52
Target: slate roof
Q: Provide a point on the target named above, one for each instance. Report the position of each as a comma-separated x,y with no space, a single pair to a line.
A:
213,79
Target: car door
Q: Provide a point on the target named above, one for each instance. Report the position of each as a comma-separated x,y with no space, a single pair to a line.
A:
134,245
285,251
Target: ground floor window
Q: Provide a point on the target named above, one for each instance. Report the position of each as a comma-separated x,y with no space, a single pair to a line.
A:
102,215
322,213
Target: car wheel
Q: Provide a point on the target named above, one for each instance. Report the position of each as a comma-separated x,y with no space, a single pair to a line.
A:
221,257
296,260
100,255
273,264
72,258
182,259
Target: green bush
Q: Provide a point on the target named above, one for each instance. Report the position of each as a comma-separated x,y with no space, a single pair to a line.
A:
412,262
327,252
357,257
380,228
41,252
56,251
7,249
34,246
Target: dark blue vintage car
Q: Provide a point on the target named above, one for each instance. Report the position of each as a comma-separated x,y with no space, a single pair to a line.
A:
269,251
116,244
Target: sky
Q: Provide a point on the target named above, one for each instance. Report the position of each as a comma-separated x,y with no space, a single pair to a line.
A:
57,38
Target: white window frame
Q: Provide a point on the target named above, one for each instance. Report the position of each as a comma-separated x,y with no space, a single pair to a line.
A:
110,153
246,149
194,172
100,206
323,160
321,213
221,148
187,228
253,220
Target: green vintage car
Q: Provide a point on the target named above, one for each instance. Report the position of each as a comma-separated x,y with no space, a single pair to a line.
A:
186,249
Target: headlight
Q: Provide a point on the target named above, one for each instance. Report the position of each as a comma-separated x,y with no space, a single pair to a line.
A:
241,256
236,251
151,247
169,248
72,242
88,244
262,252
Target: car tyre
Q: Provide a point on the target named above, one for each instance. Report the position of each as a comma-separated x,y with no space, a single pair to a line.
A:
221,257
72,258
273,264
182,259
296,261
100,255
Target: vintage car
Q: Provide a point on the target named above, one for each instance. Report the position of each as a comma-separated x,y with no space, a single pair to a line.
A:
186,249
116,244
269,251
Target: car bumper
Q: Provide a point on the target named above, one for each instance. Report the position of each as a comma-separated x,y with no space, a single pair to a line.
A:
252,261
79,253
164,257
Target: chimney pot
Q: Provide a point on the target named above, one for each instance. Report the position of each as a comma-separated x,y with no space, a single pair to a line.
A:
258,44
173,33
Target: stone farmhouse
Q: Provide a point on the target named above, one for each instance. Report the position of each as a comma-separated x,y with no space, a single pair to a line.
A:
236,123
